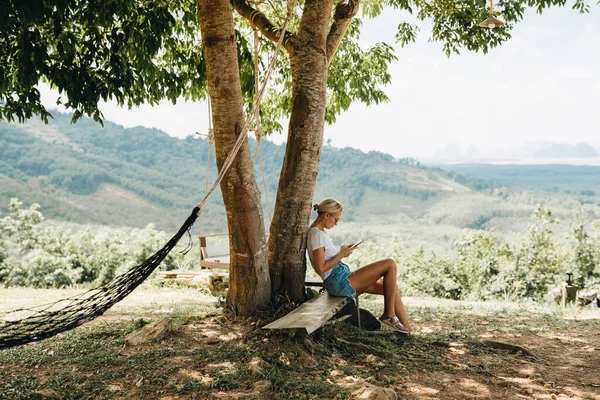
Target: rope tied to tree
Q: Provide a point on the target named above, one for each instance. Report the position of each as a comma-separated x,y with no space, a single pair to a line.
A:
259,135
211,137
254,114
211,131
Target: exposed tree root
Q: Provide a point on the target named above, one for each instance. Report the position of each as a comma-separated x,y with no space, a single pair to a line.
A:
490,343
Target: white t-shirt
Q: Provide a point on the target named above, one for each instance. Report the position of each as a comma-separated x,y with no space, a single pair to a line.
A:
317,239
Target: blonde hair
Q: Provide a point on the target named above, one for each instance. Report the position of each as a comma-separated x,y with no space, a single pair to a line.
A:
328,206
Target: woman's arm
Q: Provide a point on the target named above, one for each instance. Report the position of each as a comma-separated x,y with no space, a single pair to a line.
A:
321,266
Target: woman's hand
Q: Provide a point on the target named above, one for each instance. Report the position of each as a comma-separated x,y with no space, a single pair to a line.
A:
345,251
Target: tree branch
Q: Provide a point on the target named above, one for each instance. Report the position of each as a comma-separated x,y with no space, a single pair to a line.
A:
261,22
344,12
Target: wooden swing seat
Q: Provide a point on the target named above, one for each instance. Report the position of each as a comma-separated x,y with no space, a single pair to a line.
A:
214,256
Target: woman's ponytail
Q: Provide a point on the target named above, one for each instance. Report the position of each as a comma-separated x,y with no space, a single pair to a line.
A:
328,205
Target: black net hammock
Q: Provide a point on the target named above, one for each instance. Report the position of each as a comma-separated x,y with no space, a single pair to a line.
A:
49,319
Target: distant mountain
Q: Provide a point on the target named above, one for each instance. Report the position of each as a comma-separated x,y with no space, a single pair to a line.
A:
584,150
112,175
473,152
452,152
560,150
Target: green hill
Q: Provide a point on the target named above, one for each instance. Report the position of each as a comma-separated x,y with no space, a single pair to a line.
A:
112,175
583,180
91,175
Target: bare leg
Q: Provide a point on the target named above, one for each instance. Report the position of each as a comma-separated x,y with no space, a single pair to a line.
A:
401,312
368,275
399,309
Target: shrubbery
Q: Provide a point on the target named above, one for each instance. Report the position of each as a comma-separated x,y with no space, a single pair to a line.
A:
43,257
486,267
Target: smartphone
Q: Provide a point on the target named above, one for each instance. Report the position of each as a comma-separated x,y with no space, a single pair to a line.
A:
355,245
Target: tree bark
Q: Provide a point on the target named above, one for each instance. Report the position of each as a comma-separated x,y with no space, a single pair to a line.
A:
249,285
344,13
309,65
261,22
311,50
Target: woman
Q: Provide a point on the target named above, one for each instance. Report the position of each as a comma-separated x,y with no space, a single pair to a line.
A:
378,277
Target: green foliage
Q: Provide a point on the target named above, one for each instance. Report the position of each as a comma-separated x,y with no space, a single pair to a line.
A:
485,267
586,253
136,52
356,74
165,174
131,51
456,23
383,182
430,276
407,33
53,257
550,178
481,257
139,52
79,159
537,261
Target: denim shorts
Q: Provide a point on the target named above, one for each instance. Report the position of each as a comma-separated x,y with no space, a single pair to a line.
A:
337,283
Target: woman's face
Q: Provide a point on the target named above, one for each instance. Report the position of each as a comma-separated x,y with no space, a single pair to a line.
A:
331,219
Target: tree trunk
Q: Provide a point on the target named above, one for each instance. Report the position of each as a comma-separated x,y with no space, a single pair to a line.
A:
309,65
249,285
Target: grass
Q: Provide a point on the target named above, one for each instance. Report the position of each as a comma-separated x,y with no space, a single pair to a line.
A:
154,299
204,355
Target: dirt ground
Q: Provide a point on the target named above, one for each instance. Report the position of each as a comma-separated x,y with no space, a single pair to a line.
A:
565,365
453,354
567,369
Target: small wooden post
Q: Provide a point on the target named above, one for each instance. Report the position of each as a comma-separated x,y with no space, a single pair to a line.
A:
202,245
357,304
569,291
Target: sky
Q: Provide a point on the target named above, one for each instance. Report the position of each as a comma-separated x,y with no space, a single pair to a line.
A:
542,85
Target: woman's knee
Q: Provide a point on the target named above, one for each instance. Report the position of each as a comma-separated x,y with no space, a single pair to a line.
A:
392,266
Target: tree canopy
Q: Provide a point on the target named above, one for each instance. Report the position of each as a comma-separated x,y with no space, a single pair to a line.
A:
137,52
128,50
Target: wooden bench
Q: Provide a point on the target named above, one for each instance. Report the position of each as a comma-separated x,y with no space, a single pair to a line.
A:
177,274
214,256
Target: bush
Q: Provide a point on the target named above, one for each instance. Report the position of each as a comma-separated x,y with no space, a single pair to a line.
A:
585,258
486,268
535,263
431,276
481,258
54,257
